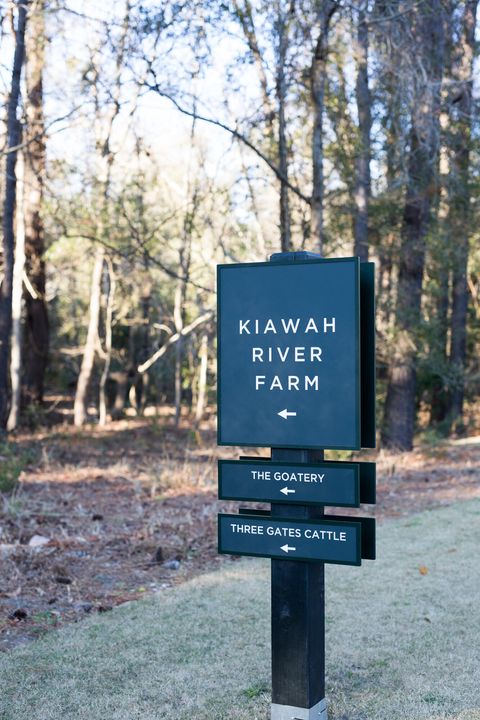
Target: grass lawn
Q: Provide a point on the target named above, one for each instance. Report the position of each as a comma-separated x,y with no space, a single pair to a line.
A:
403,641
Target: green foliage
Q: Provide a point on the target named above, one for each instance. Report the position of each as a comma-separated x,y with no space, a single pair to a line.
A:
13,459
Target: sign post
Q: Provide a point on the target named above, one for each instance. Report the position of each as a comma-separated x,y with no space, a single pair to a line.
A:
296,373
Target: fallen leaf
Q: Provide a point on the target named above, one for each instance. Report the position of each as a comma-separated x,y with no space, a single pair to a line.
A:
423,570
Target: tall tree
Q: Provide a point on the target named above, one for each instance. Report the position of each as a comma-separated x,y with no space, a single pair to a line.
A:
362,163
13,139
105,119
282,39
318,75
18,272
460,212
36,320
425,31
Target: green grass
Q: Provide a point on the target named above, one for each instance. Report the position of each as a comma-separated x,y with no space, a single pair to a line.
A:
400,644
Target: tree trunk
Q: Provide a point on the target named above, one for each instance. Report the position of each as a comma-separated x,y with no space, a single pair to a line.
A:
282,39
36,326
441,247
80,404
178,320
460,211
13,138
438,402
102,403
400,406
362,164
18,270
105,158
244,12
202,379
318,76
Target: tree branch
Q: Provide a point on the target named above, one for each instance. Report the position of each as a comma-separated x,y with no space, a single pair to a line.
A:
236,134
173,339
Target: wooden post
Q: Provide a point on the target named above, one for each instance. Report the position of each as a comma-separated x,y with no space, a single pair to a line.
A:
298,619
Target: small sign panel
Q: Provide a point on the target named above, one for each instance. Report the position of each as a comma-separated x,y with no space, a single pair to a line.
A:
289,354
319,484
311,540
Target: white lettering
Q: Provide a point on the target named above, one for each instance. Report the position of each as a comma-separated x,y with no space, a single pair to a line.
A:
257,354
311,382
327,325
276,384
247,529
311,326
284,532
315,353
260,474
289,325
293,381
290,382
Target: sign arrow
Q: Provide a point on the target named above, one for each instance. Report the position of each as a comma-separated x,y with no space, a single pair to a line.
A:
286,413
286,548
286,491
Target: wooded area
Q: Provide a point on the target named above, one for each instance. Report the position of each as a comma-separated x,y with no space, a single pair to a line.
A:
143,143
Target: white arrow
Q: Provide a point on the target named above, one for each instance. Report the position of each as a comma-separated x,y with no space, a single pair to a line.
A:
286,548
286,491
286,414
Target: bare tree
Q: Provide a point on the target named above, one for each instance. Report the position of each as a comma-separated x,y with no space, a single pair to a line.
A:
274,114
102,403
80,404
13,140
202,379
18,273
105,157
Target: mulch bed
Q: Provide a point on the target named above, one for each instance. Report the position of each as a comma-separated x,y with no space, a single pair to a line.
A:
106,516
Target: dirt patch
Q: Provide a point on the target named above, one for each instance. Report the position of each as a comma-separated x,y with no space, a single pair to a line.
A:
105,516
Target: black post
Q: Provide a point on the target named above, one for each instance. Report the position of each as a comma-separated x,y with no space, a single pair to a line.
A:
298,607
298,619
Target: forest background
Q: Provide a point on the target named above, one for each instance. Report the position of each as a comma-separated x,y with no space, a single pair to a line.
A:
143,143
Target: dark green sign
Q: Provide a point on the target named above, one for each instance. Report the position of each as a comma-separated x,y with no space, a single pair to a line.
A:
329,541
327,483
289,354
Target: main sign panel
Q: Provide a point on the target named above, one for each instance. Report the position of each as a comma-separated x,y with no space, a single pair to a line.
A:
320,484
289,354
311,540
